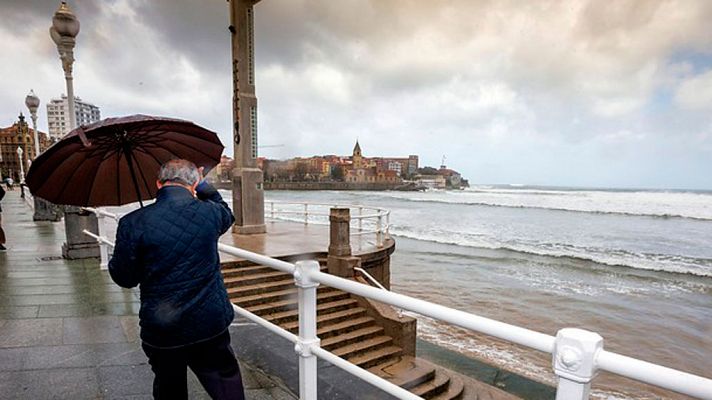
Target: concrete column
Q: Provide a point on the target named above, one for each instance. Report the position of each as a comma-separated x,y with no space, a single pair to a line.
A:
79,245
340,262
247,193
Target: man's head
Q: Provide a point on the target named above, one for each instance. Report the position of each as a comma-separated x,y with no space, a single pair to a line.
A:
179,173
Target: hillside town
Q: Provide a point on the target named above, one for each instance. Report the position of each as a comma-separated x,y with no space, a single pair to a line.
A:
354,171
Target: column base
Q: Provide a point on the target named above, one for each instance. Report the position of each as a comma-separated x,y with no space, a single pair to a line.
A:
80,251
249,229
342,266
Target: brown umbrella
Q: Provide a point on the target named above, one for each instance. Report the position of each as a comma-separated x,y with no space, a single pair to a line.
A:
115,161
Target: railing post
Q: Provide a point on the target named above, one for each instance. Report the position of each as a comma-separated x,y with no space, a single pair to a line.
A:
306,214
306,293
103,247
379,231
360,214
388,224
574,359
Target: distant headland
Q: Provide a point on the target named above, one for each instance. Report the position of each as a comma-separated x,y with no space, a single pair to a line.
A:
354,172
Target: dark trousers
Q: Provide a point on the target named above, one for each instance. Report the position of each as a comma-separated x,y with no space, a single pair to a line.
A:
212,361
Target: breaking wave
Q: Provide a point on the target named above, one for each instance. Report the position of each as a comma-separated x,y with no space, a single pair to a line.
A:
616,258
696,206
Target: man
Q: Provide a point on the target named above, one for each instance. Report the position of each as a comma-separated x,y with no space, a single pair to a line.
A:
2,232
169,249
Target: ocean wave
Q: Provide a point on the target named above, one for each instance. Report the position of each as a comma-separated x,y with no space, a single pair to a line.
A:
556,208
614,258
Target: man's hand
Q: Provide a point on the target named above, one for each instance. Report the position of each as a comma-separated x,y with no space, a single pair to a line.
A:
200,171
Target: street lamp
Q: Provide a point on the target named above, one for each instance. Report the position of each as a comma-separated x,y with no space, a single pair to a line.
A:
33,102
64,30
22,166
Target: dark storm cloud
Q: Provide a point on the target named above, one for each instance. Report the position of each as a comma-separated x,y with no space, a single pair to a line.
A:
531,85
20,15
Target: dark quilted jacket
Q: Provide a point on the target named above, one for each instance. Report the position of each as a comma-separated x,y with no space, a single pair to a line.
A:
169,249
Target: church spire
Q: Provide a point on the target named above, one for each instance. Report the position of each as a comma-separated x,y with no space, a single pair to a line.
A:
357,149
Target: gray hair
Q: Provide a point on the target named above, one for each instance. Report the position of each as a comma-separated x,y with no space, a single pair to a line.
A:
179,171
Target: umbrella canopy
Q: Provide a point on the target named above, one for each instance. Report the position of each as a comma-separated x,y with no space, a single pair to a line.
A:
116,161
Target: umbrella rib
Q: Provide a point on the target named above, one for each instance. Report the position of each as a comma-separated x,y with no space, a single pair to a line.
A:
105,157
143,178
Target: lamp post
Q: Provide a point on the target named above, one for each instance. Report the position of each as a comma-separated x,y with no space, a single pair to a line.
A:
64,30
33,102
22,164
44,210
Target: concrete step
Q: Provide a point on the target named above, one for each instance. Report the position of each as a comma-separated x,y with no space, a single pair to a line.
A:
247,290
289,319
337,300
406,372
455,390
375,357
437,385
328,330
352,337
270,275
236,264
277,295
246,271
363,346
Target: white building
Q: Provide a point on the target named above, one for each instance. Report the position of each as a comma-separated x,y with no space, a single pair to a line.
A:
58,115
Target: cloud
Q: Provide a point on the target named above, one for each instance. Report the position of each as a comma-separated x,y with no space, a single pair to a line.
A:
487,83
696,92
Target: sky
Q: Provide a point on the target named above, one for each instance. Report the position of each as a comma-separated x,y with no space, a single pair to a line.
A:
567,93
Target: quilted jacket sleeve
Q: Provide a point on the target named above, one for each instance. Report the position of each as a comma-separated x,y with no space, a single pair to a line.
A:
207,192
124,267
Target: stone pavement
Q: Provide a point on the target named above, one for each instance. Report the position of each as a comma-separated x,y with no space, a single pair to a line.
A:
68,332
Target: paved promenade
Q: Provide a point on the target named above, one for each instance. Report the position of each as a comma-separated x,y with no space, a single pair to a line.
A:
68,332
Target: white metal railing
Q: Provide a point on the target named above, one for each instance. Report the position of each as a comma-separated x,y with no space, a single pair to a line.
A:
104,242
375,220
577,354
29,199
369,278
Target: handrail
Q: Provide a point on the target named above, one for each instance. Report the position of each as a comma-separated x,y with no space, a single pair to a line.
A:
577,353
102,213
370,278
382,229
100,239
104,242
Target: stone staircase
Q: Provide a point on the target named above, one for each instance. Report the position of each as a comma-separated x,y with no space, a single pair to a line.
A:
344,328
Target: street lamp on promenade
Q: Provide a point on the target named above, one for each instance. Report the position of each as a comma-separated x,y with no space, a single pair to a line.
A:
64,30
22,164
33,102
44,210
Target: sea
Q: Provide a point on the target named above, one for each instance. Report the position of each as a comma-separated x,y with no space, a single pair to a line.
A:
634,266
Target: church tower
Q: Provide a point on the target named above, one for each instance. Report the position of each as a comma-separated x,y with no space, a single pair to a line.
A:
357,157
